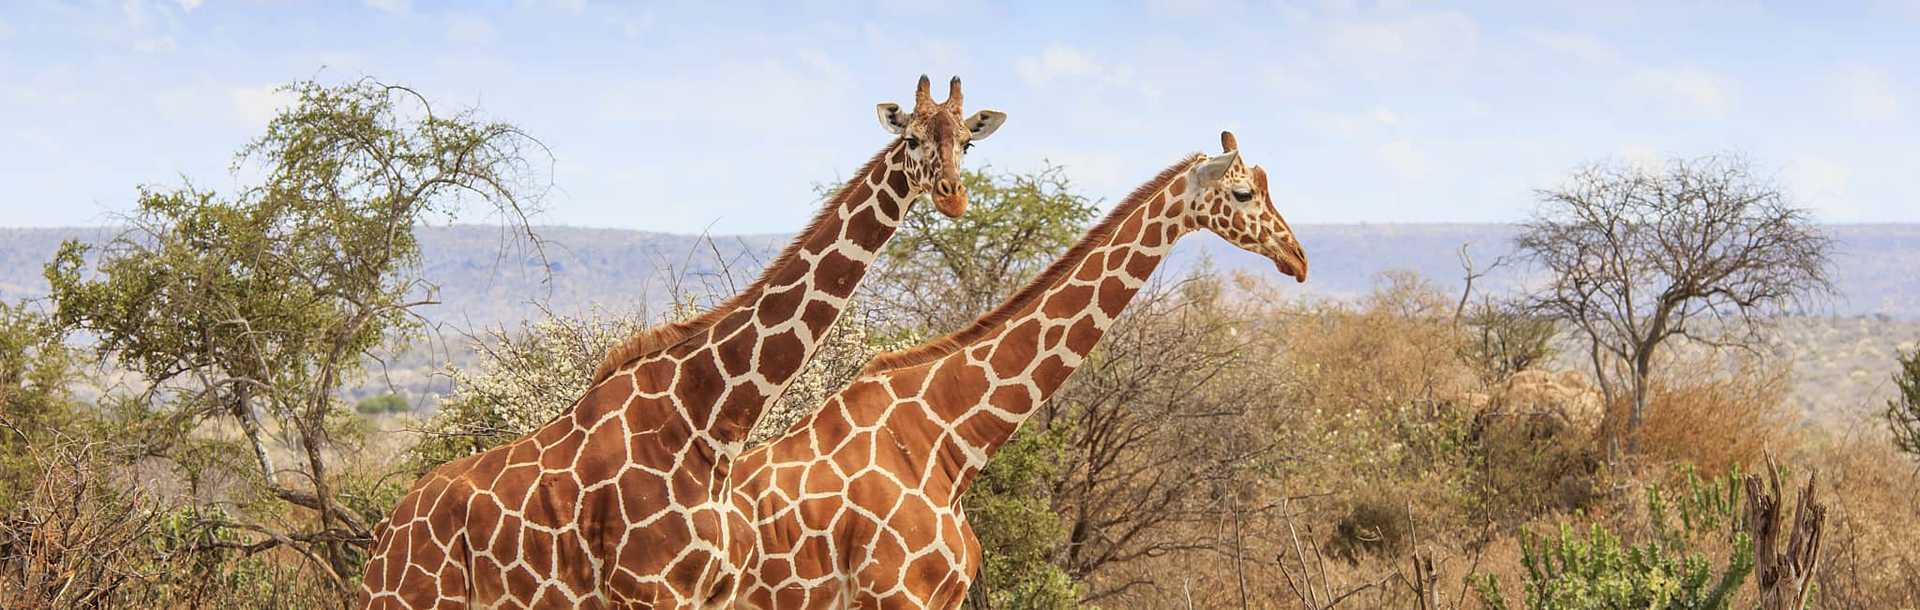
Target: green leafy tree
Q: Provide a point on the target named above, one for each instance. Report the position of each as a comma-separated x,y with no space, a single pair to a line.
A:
1903,411
37,371
250,312
939,272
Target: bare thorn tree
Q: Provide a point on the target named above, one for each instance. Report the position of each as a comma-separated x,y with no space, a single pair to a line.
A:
1698,249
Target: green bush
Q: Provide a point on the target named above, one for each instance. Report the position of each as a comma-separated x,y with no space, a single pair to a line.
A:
384,403
1598,571
1903,412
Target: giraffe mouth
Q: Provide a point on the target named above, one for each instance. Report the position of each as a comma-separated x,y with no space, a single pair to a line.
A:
1290,259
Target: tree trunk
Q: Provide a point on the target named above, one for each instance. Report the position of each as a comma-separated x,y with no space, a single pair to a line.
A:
1784,575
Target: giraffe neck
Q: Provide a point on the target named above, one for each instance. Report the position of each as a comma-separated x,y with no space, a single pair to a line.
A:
767,338
991,383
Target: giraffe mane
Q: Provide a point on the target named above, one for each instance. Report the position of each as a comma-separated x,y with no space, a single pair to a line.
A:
1063,266
665,335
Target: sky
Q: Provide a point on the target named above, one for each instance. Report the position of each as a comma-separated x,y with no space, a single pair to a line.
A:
722,117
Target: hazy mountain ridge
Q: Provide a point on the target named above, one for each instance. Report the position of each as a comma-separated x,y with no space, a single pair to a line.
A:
488,276
1842,355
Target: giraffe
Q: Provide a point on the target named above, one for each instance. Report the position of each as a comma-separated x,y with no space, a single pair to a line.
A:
621,500
858,504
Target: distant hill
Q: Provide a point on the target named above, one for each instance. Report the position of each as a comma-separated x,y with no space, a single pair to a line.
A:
488,278
1842,355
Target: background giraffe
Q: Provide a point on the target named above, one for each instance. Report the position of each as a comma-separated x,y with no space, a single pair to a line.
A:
620,501
859,503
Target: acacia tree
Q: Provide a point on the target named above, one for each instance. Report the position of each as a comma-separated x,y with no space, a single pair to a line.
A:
1701,250
251,312
1903,410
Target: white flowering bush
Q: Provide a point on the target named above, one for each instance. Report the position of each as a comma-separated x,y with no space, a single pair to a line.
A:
525,377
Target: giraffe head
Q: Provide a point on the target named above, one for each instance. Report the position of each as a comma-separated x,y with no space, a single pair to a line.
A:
937,138
1232,200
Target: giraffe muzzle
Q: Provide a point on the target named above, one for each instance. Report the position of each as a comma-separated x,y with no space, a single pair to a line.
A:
950,197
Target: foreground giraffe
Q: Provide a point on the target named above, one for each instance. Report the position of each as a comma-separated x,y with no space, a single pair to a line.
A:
621,500
858,505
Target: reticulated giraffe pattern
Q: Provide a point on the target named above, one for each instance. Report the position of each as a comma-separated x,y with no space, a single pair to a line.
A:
858,505
622,500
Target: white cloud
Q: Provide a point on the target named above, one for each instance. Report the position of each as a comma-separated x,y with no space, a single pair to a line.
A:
1695,89
258,105
1061,64
1866,93
189,5
390,6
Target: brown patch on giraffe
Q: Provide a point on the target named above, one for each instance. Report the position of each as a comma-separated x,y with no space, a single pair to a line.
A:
686,488
1051,372
818,513
836,274
483,518
818,317
553,505
698,387
1067,300
1091,267
874,492
906,383
779,305
855,454
521,582
507,542
821,479
601,400
548,436
897,182
865,230
983,429
913,521
780,357
1012,398
604,454
830,425
861,392
571,559
560,455
965,383
1083,335
1141,265
1129,230
789,477
887,551
888,204
1016,349
1113,297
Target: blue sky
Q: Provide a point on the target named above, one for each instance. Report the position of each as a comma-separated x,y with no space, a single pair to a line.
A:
683,116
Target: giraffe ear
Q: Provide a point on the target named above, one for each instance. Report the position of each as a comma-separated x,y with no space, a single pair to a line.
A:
1210,170
890,117
984,123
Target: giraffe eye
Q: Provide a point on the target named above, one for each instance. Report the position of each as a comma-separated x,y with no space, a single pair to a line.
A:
913,142
1243,195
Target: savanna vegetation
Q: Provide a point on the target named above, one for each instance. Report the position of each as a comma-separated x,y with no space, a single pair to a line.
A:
175,431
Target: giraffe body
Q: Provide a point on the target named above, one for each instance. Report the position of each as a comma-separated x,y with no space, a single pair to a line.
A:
623,501
858,505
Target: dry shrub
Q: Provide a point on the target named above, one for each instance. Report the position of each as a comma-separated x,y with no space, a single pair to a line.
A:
1871,557
1716,422
79,541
